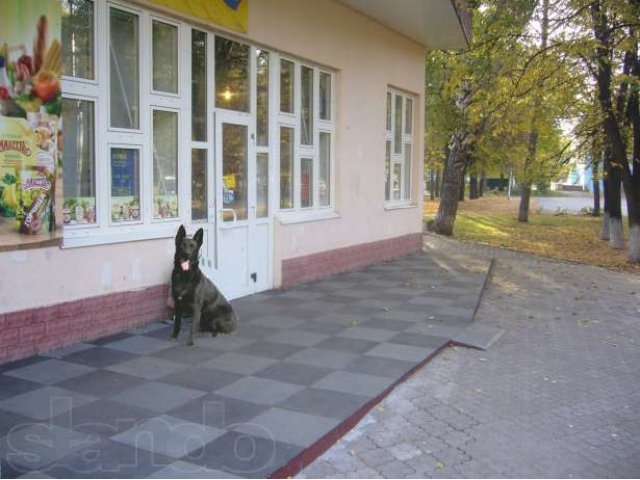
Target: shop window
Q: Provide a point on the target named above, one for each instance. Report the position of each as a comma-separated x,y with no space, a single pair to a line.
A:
164,40
306,182
399,149
324,174
234,171
232,75
306,114
78,39
125,185
165,164
198,86
79,164
262,113
262,185
286,168
124,74
199,187
287,79
325,96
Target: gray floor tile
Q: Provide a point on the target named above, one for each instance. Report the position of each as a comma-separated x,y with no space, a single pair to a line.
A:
149,368
275,321
269,349
158,397
419,340
218,411
297,373
401,315
326,403
99,357
368,333
296,337
479,336
181,469
64,351
12,386
187,355
100,383
111,338
167,435
204,379
146,329
49,372
322,358
436,329
10,421
355,383
140,345
239,363
401,352
349,345
38,445
384,367
321,327
259,390
244,455
393,325
223,343
295,428
45,402
344,319
255,332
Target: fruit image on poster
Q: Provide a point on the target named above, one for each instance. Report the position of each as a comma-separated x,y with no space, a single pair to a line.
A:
30,105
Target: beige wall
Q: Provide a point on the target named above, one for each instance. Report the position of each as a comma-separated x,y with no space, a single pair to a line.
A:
367,58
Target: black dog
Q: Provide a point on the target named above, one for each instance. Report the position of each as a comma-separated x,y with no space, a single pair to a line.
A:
194,293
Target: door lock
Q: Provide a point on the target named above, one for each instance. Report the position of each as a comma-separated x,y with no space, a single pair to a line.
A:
254,277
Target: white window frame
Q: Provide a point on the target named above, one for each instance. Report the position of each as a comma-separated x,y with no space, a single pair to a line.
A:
406,181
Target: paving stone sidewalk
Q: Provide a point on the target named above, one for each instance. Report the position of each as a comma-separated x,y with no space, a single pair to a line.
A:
557,396
303,360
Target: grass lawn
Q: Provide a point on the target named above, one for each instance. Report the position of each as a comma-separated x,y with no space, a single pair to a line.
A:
493,221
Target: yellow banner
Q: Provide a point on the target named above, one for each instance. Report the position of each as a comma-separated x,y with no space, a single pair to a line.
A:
232,14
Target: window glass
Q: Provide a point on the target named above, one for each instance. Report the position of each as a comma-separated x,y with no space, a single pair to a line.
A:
325,96
287,78
199,202
306,116
286,167
262,80
234,171
125,185
387,170
306,182
232,75
165,164
324,175
198,86
408,121
77,39
124,69
79,164
262,185
397,125
165,57
397,178
388,111
407,171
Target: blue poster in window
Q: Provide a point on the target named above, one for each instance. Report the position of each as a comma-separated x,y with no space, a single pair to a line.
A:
123,172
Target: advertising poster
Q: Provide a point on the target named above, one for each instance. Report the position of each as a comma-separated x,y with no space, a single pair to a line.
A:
30,105
125,181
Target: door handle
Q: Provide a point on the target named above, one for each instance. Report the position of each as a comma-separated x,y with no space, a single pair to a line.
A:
235,217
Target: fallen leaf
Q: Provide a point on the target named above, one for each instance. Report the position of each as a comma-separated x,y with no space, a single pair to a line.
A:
440,466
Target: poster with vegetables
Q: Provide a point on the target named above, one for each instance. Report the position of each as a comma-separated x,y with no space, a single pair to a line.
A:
30,105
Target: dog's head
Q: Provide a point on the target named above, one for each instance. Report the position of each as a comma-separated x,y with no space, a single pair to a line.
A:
188,249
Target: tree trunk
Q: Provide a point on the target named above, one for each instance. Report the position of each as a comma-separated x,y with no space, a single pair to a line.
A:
483,183
432,182
452,180
605,235
525,196
501,184
438,182
463,182
473,186
596,190
614,184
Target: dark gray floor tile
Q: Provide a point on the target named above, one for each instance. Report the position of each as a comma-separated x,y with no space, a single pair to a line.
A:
244,455
5,367
418,340
99,357
140,345
187,355
259,390
394,325
111,338
343,319
255,332
326,403
349,345
269,349
100,383
159,397
167,435
204,379
109,459
384,367
10,421
354,383
239,363
68,350
297,373
298,337
222,343
401,352
45,402
318,357
217,411
49,372
181,469
12,386
103,417
368,333
321,327
275,321
148,368
163,333
276,424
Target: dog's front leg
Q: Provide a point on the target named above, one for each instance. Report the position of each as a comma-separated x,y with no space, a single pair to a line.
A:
177,319
195,322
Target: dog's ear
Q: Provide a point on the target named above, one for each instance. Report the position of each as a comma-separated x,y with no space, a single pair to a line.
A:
198,237
180,236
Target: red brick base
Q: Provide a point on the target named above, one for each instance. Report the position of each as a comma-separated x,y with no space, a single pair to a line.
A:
29,332
320,265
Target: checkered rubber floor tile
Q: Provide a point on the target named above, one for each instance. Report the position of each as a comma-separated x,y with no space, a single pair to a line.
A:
137,404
